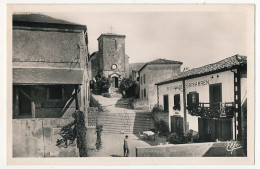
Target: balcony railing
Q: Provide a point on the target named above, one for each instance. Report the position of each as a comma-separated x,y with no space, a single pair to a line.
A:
215,110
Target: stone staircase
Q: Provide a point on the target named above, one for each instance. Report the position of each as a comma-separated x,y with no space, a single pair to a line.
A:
125,122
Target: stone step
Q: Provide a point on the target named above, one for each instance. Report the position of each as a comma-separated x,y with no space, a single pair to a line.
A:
115,123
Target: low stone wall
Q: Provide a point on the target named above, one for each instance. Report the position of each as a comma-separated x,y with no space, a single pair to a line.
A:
38,137
210,149
140,104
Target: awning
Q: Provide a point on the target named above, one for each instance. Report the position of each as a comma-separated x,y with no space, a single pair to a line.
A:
47,76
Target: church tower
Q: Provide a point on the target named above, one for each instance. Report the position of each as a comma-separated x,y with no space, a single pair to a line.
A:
113,62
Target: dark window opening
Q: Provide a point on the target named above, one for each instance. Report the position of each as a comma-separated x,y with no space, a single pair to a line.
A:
192,99
144,92
166,103
215,94
144,78
177,104
55,92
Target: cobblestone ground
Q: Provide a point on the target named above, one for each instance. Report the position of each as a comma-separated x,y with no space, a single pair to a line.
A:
112,145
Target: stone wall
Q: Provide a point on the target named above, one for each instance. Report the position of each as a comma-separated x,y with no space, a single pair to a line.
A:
210,149
140,104
46,48
37,138
154,74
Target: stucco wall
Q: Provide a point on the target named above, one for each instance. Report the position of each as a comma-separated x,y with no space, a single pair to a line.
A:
155,74
37,138
226,78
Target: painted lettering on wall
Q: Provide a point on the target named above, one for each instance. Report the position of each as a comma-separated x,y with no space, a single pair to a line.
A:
174,87
192,84
198,83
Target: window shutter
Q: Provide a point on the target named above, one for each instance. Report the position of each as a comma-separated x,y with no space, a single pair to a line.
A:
197,98
189,100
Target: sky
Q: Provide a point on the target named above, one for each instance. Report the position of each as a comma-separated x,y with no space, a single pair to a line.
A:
194,38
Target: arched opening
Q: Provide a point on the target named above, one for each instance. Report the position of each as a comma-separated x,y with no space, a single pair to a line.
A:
115,82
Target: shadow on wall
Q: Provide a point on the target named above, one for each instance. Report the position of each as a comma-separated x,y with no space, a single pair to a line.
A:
124,103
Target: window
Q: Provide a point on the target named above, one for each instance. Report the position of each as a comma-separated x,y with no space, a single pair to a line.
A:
166,103
141,80
144,93
192,99
144,78
55,92
137,78
215,94
177,105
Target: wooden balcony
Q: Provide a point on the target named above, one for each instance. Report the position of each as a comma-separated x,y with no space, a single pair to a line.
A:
215,110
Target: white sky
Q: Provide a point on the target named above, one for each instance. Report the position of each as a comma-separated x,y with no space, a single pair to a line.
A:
195,38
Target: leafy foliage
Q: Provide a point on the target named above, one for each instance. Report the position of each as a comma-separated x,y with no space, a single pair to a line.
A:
99,129
162,127
156,109
174,138
127,87
75,130
106,95
103,85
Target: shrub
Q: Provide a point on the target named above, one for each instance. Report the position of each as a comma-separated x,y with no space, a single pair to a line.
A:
162,127
127,87
103,85
106,95
156,108
75,130
99,129
174,138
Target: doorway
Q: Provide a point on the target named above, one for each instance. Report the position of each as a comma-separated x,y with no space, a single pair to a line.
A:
115,82
24,102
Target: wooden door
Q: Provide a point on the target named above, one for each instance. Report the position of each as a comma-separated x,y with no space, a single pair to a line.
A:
177,125
225,129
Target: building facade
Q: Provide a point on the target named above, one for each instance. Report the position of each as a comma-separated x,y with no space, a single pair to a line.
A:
208,99
154,72
110,60
50,82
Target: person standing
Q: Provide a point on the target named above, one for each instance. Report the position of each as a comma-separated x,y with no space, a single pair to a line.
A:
126,149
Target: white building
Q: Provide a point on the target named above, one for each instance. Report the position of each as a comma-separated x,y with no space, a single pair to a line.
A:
208,99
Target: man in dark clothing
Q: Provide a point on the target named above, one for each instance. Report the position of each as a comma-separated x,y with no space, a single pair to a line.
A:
126,149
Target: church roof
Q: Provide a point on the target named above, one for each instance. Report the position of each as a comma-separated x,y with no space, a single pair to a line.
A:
223,65
40,20
160,61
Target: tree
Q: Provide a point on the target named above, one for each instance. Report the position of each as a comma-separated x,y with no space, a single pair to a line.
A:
103,85
127,87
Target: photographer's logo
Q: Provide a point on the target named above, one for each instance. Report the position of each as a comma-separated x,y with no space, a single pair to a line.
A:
233,145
